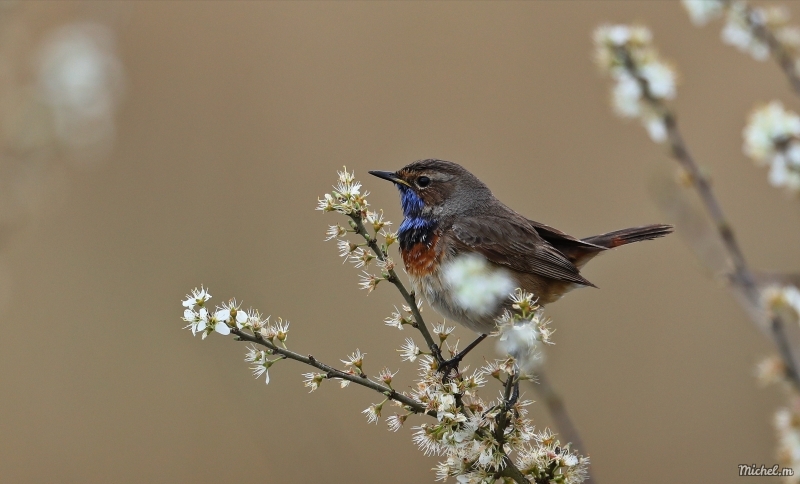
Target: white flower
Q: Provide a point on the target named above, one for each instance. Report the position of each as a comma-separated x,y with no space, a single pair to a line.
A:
626,95
386,376
346,248
768,126
221,328
356,359
520,341
703,11
376,220
361,258
335,231
772,137
660,79
395,422
443,331
476,285
373,412
738,33
655,128
230,313
368,281
312,380
409,351
197,320
198,297
281,329
396,320
642,81
784,300
261,363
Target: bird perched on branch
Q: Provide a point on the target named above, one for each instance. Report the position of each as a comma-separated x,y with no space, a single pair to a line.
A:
465,251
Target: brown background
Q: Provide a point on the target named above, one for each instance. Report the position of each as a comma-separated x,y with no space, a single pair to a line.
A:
235,119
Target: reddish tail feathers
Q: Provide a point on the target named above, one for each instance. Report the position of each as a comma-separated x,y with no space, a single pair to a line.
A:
627,236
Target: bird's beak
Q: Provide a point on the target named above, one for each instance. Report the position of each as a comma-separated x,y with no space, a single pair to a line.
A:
389,175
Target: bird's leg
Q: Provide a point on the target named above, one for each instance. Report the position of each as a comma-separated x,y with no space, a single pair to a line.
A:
514,394
453,362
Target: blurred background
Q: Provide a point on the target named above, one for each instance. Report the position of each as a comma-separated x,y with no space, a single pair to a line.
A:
148,148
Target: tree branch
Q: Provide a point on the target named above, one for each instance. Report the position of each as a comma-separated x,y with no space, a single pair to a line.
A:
331,372
410,298
743,276
779,52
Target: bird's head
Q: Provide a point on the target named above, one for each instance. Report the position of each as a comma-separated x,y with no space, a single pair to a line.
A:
436,188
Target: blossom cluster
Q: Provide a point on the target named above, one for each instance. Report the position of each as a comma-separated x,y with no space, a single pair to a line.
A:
346,198
521,330
783,299
772,138
227,316
772,370
787,426
477,438
642,80
746,26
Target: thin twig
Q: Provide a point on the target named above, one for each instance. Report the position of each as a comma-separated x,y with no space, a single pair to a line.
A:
331,372
779,52
743,276
560,415
409,297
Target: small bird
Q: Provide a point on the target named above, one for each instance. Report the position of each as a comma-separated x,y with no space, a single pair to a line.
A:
449,213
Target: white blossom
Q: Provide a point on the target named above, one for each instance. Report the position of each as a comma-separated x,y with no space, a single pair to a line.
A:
373,412
355,360
409,351
230,313
261,363
787,426
738,33
772,138
642,80
476,285
395,422
335,231
198,297
520,341
346,197
703,11
312,380
784,300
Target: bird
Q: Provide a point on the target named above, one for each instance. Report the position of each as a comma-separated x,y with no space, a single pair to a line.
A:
449,213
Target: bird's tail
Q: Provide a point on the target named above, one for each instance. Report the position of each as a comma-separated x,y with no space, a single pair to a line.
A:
627,236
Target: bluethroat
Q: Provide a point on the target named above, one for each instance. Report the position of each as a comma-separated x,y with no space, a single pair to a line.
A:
448,212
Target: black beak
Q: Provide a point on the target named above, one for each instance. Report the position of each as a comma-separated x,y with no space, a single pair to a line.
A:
389,175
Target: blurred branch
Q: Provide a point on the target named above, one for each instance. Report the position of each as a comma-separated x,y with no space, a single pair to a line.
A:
743,276
778,51
555,405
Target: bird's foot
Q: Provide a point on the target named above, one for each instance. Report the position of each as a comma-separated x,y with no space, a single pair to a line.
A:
447,366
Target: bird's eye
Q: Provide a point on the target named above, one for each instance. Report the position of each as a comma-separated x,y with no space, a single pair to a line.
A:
423,181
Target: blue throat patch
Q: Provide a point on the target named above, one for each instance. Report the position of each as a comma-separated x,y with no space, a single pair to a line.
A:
415,228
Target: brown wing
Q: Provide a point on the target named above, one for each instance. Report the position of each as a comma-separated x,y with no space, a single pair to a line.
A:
516,244
578,251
